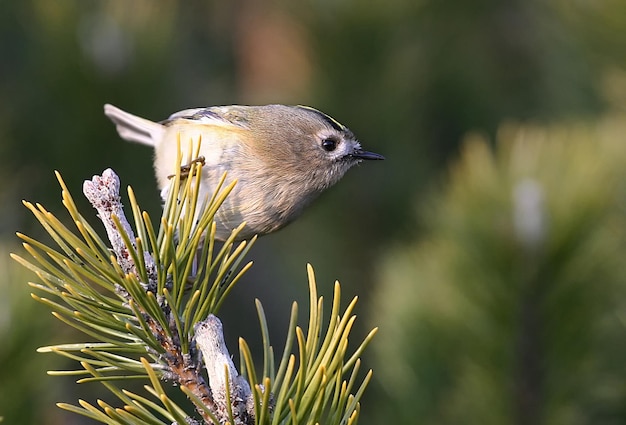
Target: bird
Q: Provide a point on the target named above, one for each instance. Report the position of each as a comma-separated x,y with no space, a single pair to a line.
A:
282,156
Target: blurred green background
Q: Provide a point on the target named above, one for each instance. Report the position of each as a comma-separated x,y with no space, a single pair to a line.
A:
488,247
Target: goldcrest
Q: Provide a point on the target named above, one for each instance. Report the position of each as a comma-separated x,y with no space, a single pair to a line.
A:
283,157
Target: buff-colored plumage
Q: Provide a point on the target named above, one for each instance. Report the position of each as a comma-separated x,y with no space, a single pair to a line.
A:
283,157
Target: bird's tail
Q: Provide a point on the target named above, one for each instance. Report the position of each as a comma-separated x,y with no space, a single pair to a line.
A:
133,128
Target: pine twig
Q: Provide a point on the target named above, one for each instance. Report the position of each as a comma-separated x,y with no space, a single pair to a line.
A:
103,193
223,376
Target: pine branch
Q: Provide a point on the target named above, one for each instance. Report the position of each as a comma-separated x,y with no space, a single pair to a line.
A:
154,313
103,193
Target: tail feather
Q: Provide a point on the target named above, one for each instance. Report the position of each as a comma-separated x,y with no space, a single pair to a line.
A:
133,128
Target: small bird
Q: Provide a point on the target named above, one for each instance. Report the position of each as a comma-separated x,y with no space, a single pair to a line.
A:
282,156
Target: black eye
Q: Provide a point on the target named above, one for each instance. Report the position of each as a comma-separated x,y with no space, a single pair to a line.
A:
329,144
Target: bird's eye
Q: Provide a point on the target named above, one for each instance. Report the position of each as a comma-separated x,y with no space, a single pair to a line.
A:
329,144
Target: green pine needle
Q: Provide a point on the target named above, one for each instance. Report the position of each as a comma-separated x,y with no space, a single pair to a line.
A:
87,289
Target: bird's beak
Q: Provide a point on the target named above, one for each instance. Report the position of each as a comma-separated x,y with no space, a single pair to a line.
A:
361,154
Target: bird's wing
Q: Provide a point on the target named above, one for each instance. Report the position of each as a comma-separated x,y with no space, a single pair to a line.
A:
185,113
208,116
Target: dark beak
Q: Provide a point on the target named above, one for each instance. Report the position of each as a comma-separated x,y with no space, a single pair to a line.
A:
361,154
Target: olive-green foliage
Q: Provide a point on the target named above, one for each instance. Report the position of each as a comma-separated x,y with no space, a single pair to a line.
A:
510,307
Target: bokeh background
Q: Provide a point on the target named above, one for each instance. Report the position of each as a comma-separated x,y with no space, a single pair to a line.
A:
489,247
